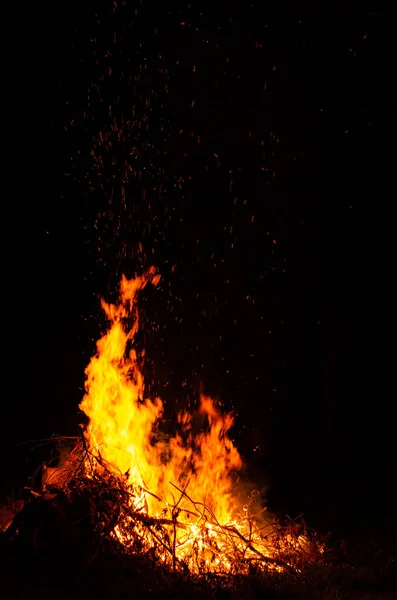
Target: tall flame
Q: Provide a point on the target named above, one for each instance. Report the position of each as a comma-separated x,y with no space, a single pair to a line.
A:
122,422
183,487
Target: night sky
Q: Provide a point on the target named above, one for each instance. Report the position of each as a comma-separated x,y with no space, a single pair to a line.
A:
242,150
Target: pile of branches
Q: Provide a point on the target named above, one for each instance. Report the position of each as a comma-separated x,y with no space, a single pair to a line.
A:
87,508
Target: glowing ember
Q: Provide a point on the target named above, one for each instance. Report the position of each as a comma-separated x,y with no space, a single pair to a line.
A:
181,492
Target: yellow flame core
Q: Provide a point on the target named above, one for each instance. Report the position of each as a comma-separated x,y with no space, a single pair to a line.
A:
122,420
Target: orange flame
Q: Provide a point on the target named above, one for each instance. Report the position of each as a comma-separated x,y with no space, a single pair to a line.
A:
184,484
122,424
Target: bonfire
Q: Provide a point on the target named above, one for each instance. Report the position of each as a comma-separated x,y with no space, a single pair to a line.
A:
175,499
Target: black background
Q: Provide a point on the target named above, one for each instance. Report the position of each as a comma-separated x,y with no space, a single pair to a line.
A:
314,410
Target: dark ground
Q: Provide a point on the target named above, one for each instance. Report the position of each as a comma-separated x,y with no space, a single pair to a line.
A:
358,572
